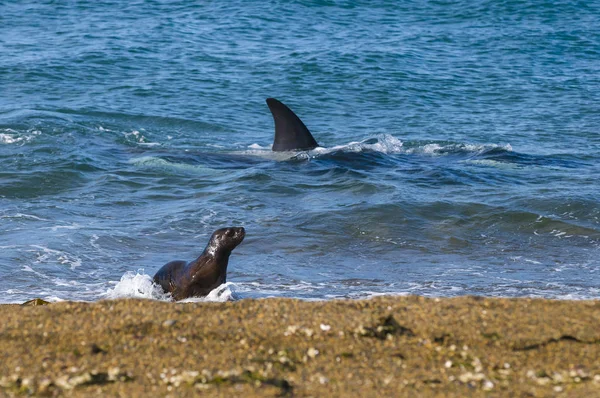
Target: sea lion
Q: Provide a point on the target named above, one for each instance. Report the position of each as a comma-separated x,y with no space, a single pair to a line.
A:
199,277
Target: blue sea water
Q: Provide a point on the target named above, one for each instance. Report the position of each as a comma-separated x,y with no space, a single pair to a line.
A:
459,146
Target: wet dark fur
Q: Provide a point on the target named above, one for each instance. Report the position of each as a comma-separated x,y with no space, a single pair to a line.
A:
197,278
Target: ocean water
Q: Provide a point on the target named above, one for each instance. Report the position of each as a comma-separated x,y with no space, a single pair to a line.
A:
459,147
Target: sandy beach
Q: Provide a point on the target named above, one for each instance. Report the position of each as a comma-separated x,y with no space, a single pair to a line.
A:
388,346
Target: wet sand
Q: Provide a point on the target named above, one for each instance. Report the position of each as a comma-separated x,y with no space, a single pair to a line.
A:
388,346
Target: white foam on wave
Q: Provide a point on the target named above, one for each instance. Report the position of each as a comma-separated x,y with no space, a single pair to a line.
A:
59,227
48,255
517,259
492,163
9,139
140,139
55,280
436,149
16,296
11,136
384,143
23,216
52,288
140,285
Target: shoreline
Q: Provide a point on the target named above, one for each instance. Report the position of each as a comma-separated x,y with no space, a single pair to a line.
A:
383,346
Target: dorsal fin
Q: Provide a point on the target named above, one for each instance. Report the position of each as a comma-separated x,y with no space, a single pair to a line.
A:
290,133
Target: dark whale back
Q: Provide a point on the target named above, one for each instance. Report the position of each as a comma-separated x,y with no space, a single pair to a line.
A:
290,133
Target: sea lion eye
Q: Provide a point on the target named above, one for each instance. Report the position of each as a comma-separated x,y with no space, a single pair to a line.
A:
229,233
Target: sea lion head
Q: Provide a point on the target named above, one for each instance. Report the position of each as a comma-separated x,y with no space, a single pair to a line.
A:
226,239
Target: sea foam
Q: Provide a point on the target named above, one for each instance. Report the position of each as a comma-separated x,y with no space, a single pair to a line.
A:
140,285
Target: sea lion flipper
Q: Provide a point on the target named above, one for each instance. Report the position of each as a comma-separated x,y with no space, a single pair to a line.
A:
290,133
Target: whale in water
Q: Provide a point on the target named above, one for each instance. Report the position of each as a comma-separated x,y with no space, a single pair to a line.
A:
290,133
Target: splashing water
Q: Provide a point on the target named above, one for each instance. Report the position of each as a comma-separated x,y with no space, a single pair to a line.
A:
137,285
140,285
